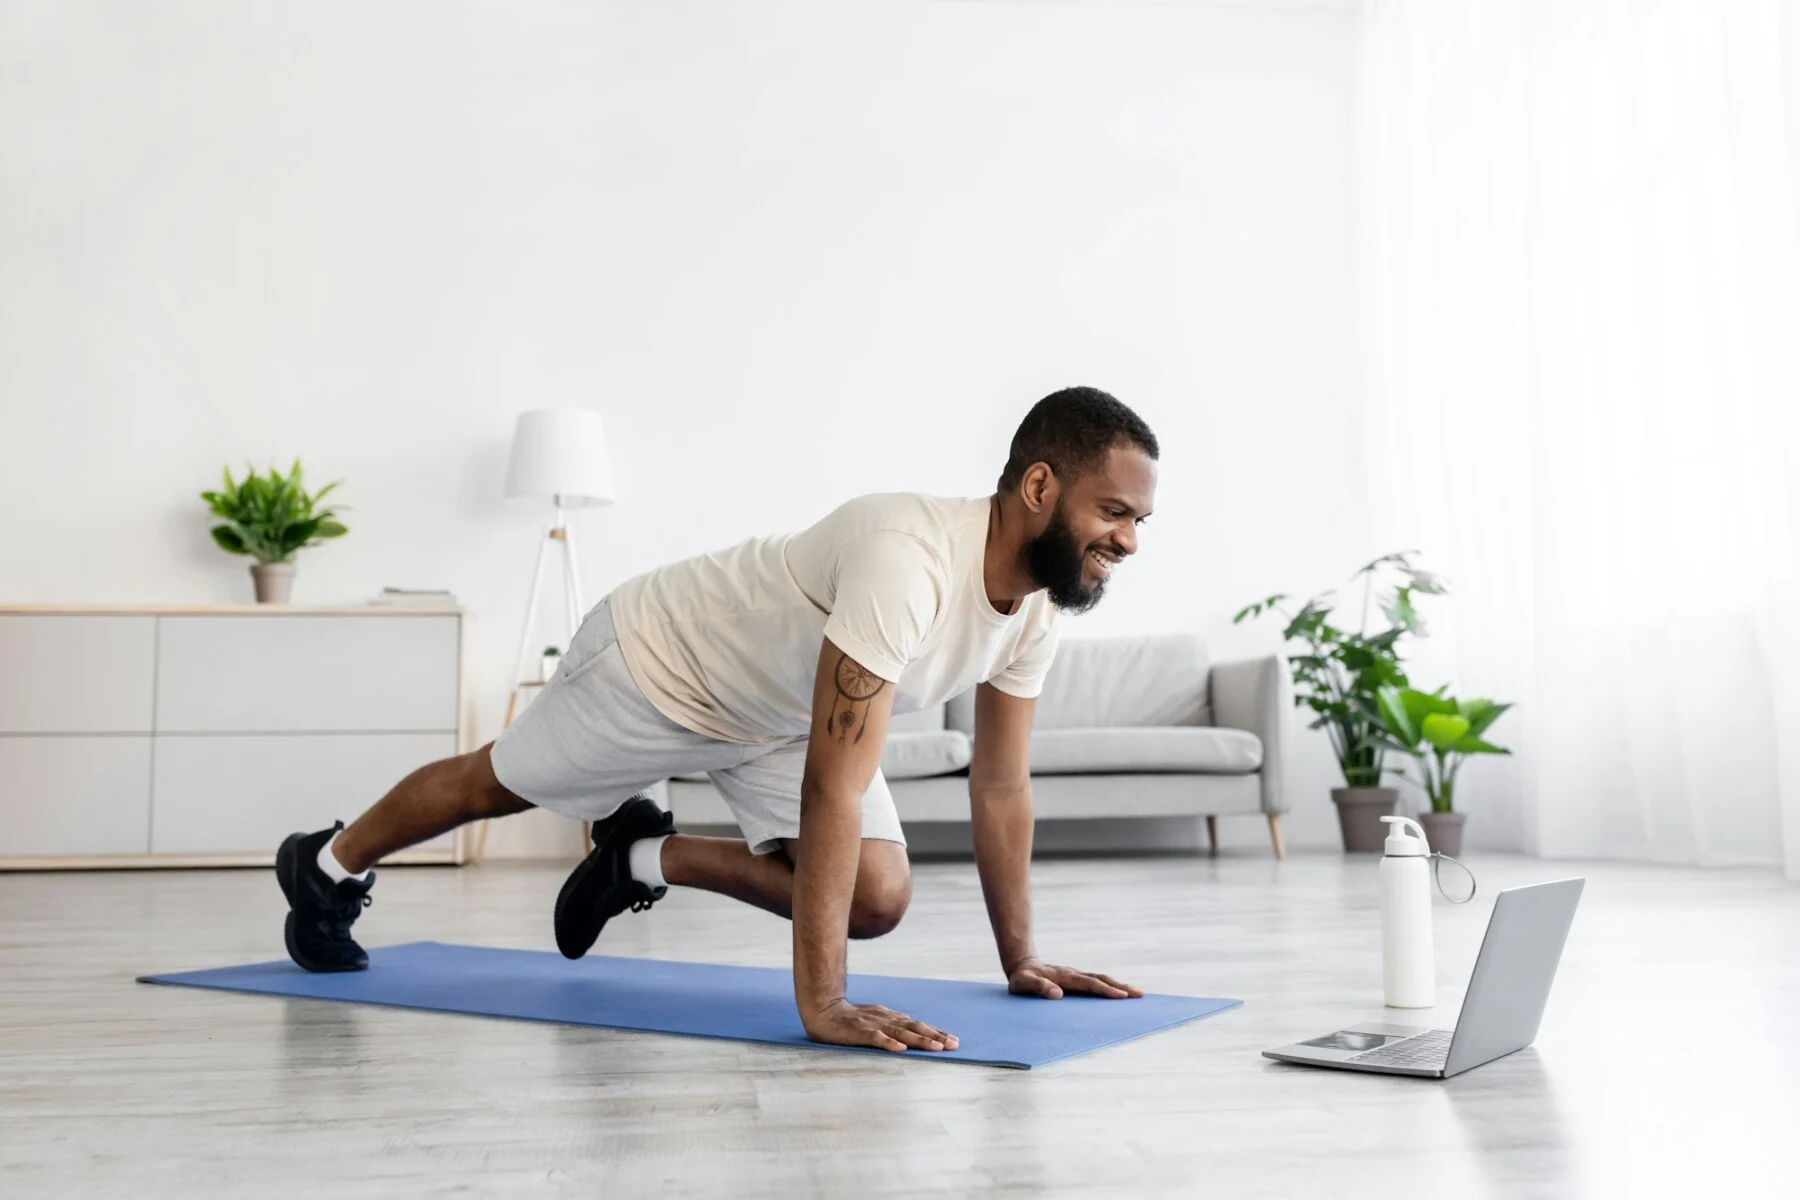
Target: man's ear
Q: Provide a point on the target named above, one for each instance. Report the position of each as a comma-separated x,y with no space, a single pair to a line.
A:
1039,488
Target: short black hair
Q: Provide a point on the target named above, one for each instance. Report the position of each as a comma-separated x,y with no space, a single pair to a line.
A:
1072,430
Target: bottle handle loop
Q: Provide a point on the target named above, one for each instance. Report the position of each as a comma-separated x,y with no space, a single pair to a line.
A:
1437,861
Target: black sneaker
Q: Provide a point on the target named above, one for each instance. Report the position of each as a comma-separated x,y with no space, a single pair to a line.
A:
320,912
602,887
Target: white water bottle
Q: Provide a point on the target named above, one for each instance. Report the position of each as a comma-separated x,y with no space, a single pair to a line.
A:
1408,966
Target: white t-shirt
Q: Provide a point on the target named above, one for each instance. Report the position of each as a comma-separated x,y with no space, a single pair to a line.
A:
727,644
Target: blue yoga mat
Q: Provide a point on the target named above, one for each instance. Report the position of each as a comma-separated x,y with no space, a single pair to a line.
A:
751,1004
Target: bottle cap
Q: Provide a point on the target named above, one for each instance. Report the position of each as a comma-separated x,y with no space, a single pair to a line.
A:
1401,844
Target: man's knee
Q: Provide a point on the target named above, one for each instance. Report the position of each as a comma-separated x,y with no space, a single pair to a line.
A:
485,795
883,890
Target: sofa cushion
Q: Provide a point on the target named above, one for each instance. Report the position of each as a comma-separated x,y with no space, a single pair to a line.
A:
1197,750
1108,682
916,755
926,720
907,755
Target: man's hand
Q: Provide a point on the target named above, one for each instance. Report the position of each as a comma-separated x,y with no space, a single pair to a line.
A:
1034,978
842,1023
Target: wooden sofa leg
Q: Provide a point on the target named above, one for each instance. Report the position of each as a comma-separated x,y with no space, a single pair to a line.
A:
1212,837
1275,835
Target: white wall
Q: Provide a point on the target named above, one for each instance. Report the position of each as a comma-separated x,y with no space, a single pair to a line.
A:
791,251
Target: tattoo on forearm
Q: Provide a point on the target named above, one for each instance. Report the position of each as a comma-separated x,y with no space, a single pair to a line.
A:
856,688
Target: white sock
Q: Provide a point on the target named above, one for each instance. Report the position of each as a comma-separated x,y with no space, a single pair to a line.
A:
646,861
329,864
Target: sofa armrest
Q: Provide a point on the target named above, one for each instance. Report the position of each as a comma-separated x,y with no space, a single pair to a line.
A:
1257,694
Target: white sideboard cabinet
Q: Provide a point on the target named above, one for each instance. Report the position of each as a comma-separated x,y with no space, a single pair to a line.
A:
184,736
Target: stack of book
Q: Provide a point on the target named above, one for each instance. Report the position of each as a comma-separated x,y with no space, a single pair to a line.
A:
416,597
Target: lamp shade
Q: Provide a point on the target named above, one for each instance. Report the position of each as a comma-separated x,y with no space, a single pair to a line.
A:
561,452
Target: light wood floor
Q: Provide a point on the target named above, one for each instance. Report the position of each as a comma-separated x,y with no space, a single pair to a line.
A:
1668,1065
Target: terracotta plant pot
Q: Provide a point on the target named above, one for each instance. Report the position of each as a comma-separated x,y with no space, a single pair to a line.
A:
1360,810
274,582
1444,831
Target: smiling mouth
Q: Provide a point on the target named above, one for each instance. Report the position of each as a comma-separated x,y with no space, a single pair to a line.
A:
1102,563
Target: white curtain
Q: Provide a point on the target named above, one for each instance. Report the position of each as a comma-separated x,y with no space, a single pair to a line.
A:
1580,238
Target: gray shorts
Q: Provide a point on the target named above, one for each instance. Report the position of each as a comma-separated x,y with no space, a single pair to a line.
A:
591,740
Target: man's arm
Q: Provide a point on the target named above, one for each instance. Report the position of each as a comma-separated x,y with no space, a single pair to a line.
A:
851,706
1001,817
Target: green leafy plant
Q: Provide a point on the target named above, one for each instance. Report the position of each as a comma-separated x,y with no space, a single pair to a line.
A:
1339,672
1439,732
271,517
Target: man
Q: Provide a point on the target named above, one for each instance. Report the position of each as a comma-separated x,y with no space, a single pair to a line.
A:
774,666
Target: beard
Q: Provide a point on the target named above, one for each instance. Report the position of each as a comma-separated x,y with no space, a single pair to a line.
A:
1058,565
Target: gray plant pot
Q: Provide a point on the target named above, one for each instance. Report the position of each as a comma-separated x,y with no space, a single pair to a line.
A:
1360,810
1444,831
274,582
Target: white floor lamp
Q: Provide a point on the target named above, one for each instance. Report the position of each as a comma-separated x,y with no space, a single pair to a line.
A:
558,454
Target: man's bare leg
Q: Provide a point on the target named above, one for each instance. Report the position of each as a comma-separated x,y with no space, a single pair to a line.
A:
434,799
726,866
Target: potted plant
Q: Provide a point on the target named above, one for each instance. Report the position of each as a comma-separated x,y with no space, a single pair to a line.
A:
547,665
270,518
1439,732
1338,675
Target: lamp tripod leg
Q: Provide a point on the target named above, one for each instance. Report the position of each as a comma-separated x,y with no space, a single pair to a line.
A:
537,584
571,584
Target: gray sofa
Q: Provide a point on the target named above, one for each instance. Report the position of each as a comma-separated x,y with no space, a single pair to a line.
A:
1126,727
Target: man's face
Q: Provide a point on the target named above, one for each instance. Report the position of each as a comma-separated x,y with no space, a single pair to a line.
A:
1092,529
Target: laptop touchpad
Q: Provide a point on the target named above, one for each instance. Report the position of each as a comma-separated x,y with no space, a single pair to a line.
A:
1350,1039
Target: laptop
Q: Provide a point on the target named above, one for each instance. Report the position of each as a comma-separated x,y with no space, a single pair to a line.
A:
1500,1011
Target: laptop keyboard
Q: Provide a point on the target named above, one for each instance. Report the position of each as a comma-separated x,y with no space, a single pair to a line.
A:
1423,1050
